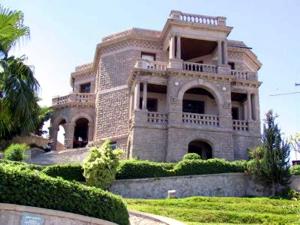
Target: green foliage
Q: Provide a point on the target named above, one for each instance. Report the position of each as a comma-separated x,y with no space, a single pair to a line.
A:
295,170
191,156
270,161
18,87
222,210
22,186
44,115
71,172
15,152
22,165
100,166
291,194
210,166
132,169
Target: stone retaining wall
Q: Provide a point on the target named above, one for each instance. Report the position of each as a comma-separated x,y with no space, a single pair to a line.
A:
226,184
11,214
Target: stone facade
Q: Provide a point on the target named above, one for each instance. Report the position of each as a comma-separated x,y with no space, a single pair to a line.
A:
161,94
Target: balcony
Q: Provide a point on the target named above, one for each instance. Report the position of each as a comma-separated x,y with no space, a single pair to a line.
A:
240,125
200,119
74,99
157,118
158,66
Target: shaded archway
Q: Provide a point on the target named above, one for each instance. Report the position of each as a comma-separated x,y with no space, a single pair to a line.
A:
202,148
81,131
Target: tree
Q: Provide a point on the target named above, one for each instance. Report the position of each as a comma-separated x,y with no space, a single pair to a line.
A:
18,87
270,161
294,141
44,115
100,166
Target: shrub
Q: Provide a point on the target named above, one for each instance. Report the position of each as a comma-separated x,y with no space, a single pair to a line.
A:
15,152
295,170
22,164
32,188
191,156
100,166
72,172
210,166
132,169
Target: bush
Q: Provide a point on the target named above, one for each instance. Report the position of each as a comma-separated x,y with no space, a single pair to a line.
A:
295,170
133,169
22,164
22,186
191,156
72,172
15,152
100,166
210,166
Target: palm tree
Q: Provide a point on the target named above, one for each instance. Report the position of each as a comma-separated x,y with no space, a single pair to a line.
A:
18,86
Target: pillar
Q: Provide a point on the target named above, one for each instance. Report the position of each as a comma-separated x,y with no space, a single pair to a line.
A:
225,53
137,96
178,43
219,53
172,47
253,106
53,137
249,106
69,134
90,131
144,105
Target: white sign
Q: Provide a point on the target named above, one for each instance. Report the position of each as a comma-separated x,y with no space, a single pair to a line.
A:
31,219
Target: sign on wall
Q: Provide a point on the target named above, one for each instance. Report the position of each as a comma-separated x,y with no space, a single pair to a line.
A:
31,219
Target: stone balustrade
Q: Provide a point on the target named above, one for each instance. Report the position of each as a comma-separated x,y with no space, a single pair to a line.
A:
198,19
198,67
74,98
200,119
243,75
151,65
157,118
240,125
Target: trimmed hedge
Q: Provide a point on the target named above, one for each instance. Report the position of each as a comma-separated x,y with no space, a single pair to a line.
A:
23,186
72,172
22,164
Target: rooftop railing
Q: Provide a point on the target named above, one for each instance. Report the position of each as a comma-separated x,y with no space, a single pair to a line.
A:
74,98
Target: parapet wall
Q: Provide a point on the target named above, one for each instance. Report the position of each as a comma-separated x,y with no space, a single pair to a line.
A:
17,214
226,184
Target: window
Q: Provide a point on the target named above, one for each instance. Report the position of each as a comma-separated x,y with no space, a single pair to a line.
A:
191,106
235,113
151,104
232,65
85,88
148,56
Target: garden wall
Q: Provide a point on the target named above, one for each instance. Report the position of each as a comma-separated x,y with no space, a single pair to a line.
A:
226,184
16,214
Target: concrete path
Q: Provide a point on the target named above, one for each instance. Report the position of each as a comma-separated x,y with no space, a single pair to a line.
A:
139,218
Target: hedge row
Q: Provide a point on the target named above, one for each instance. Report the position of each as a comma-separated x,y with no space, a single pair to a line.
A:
71,172
131,169
20,185
22,164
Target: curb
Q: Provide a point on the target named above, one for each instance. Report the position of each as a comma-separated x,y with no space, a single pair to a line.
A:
160,219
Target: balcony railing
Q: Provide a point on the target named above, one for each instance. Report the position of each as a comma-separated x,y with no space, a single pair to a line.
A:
151,65
157,118
200,119
197,67
198,19
74,98
240,125
244,75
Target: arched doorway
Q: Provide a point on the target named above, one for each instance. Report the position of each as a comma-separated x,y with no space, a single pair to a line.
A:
81,133
201,148
60,145
200,101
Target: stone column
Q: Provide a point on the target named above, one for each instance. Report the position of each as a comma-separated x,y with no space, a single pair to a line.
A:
178,43
219,53
53,137
144,106
172,47
69,135
137,96
130,104
90,131
249,106
253,106
225,53
245,110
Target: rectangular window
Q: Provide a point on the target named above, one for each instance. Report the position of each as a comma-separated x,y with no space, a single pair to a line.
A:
148,56
192,106
85,88
232,65
235,113
151,104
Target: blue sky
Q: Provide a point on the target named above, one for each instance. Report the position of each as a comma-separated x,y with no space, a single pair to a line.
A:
64,34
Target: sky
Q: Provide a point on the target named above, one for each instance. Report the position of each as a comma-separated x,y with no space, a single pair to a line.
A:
64,34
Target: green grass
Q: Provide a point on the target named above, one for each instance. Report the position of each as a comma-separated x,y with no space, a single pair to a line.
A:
222,210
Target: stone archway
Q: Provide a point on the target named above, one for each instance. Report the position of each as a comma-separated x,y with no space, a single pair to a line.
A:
201,148
81,133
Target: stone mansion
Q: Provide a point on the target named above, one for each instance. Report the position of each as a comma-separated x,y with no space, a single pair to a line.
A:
160,94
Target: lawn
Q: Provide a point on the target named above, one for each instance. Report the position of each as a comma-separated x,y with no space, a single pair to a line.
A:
222,210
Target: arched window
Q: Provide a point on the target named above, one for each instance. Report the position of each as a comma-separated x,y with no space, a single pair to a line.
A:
201,148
